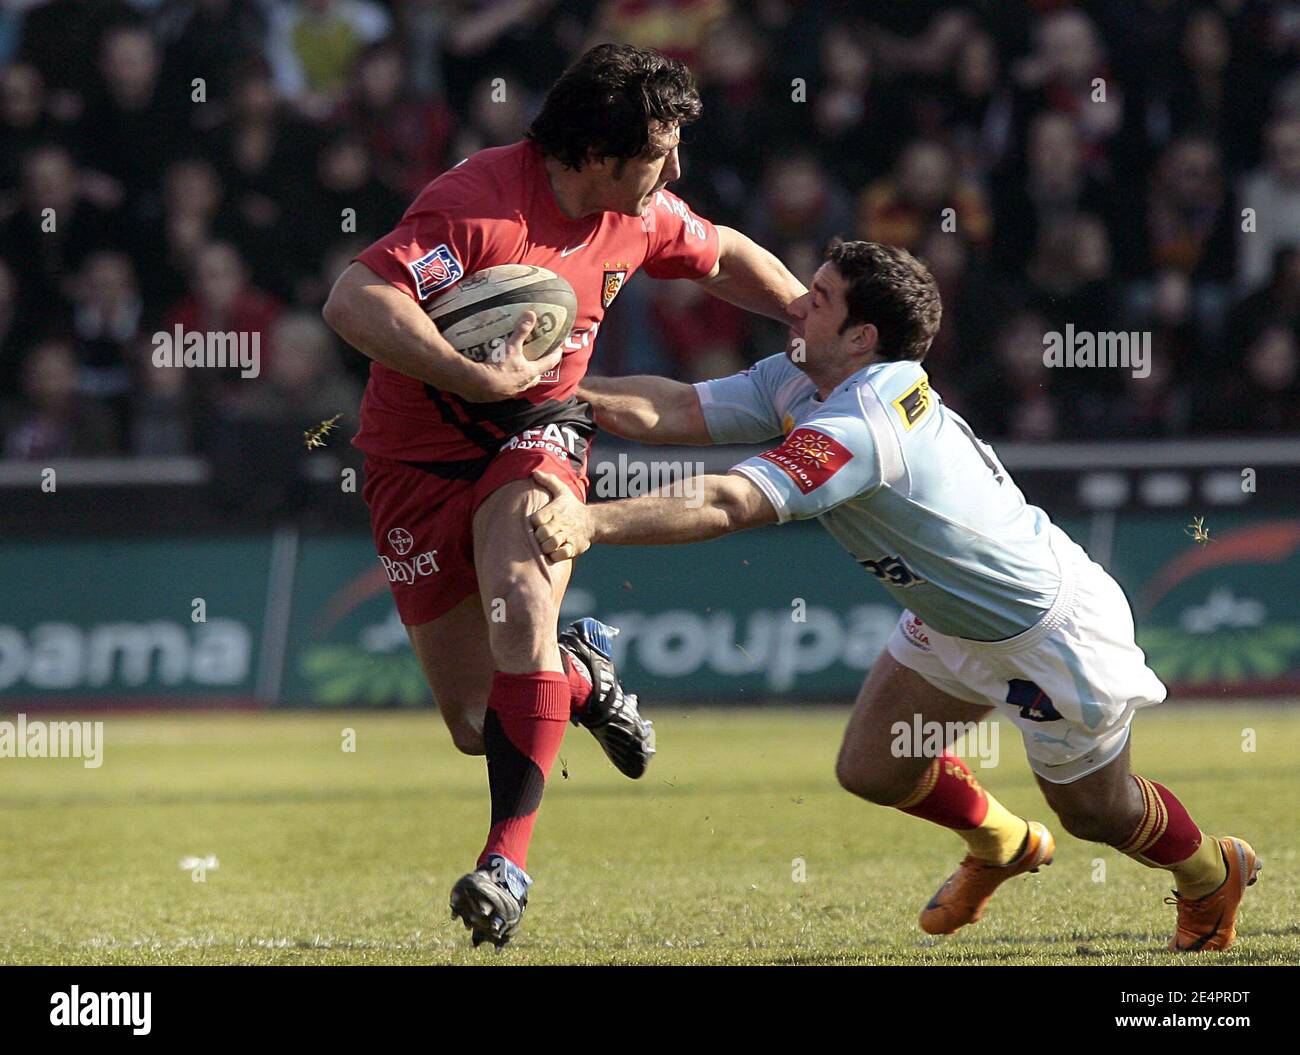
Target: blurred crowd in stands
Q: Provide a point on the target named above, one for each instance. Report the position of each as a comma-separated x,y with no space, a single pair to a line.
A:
1119,165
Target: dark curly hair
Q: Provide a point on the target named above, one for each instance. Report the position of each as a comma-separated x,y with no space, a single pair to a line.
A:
889,288
603,105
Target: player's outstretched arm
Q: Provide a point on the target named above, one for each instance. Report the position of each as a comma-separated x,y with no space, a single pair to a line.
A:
385,324
716,505
647,409
750,277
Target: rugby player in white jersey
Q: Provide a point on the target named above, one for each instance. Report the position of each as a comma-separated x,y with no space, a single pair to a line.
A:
1002,610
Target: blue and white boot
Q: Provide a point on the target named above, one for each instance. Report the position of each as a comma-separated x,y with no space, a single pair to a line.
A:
491,900
610,713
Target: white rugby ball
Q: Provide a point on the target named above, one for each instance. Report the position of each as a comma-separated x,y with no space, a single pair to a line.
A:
479,313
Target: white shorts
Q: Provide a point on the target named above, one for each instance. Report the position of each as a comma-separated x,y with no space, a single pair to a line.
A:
1071,682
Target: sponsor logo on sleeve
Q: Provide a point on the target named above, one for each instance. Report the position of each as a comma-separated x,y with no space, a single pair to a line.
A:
809,458
690,222
436,270
913,403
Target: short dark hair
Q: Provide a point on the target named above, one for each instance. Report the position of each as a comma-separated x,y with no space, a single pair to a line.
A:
602,106
889,288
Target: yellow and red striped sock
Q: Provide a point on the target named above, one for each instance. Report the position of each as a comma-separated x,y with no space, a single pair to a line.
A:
949,795
1166,837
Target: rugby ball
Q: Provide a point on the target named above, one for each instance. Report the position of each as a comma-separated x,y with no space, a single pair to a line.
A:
478,314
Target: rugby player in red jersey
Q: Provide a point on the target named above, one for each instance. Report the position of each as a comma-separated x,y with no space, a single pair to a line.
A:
451,444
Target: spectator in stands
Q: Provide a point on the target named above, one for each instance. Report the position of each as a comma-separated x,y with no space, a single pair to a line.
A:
1055,187
119,137
421,29
1070,274
161,421
12,343
1201,91
261,431
51,234
857,115
209,40
1067,72
528,42
313,44
900,208
1276,303
223,301
1153,407
1015,397
1190,221
797,211
24,124
61,38
678,28
1273,193
407,138
305,380
107,325
1265,396
497,115
1117,146
52,420
977,108
345,198
1188,238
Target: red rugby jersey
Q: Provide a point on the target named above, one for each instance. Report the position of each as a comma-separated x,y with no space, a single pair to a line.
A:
497,207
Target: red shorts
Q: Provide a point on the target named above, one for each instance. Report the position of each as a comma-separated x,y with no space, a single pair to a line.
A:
423,522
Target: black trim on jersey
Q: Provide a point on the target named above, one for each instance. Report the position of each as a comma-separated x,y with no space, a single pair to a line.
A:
510,417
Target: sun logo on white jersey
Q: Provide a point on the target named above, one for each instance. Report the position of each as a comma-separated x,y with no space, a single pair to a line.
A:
812,447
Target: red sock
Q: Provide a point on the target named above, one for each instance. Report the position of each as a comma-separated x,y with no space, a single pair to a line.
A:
1166,834
579,684
522,731
948,794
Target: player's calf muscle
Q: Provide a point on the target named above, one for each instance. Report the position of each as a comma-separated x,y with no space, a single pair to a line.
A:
1103,807
867,765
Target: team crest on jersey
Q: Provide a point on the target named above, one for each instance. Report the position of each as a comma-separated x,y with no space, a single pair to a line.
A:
436,270
809,458
609,288
913,403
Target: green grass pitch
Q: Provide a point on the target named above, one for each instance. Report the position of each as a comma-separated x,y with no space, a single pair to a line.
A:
328,857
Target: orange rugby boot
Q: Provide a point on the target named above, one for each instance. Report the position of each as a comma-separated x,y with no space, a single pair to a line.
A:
1209,924
963,896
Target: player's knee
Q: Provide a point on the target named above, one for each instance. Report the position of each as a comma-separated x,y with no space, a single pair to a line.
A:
467,737
521,615
875,783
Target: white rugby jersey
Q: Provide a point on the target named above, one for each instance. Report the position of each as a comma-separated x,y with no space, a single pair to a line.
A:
903,485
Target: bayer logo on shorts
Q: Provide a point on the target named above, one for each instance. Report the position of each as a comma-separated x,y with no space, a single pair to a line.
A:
400,539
